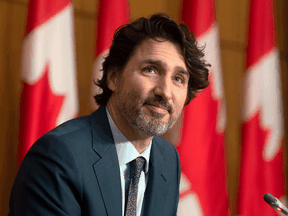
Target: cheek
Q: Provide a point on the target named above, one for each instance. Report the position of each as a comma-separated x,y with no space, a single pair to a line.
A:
179,102
181,97
132,93
142,87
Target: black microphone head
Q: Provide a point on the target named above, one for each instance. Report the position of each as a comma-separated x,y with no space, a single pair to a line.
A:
269,198
275,203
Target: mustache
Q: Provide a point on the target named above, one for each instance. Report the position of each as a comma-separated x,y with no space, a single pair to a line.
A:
159,101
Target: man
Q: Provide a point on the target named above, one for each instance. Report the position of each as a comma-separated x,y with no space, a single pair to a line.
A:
113,162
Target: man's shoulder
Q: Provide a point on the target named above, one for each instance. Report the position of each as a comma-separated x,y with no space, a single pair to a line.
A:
75,132
73,126
77,127
67,136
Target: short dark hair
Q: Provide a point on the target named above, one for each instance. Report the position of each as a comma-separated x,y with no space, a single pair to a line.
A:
159,26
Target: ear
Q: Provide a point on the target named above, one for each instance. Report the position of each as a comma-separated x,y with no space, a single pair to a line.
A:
111,80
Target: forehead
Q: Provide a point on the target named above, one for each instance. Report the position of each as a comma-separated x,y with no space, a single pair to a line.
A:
167,52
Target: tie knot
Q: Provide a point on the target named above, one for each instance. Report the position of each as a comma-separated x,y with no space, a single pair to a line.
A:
136,167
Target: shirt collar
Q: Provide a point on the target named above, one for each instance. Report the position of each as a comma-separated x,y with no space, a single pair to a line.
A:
126,151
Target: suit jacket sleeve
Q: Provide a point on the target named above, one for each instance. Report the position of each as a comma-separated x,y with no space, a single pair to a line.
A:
47,182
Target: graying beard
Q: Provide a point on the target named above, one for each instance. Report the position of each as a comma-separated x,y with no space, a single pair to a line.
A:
150,128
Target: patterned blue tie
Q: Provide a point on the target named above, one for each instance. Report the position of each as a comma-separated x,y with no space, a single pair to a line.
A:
135,171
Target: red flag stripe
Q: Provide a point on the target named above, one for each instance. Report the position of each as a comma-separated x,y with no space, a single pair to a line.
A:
261,36
112,14
42,10
203,14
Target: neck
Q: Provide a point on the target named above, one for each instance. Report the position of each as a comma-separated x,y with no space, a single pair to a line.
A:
139,139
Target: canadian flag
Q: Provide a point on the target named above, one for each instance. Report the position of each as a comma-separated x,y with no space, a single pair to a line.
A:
48,71
111,15
203,185
262,130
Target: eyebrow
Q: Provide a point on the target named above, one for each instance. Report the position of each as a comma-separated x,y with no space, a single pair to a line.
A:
160,63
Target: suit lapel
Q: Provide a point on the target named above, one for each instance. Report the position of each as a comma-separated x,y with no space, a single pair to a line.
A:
107,167
157,187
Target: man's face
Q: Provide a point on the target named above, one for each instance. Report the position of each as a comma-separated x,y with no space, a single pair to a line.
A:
151,91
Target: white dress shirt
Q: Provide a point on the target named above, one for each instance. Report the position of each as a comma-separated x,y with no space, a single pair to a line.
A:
126,153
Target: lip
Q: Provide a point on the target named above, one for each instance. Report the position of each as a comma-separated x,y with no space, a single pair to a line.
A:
158,109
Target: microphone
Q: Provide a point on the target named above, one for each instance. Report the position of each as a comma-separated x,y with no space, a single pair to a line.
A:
275,203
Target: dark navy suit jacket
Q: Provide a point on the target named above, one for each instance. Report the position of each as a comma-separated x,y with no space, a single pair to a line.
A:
74,170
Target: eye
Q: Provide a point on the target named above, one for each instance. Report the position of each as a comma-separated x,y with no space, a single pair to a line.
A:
179,79
149,70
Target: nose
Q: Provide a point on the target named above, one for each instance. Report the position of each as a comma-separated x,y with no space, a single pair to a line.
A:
164,88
